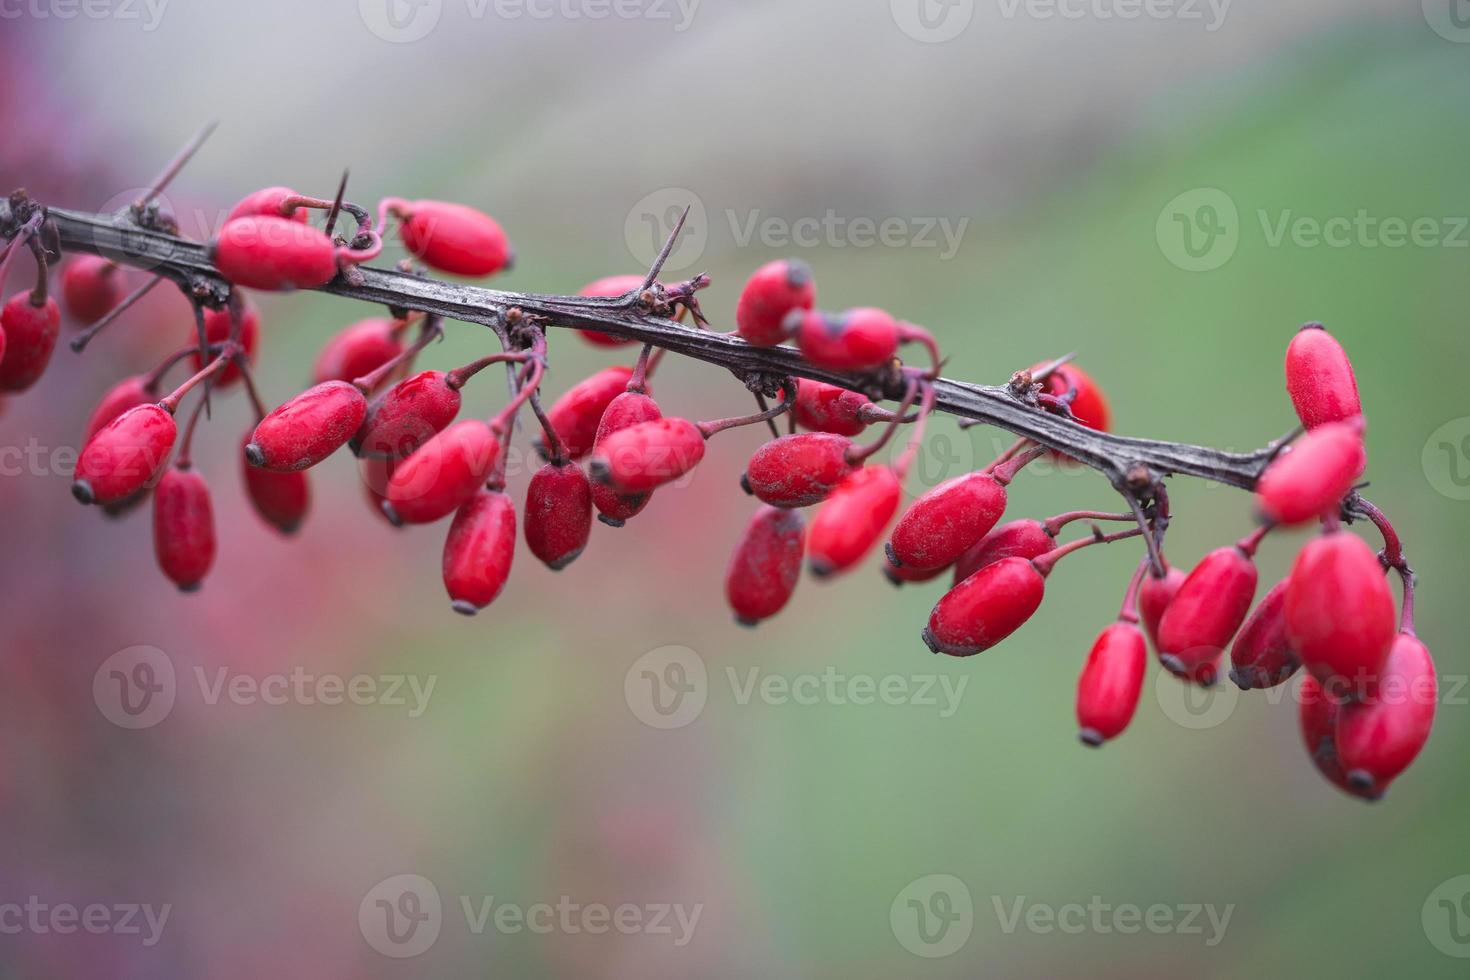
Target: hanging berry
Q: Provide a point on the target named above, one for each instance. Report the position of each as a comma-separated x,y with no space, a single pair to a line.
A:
1310,478
771,294
558,513
1262,656
281,499
218,327
625,411
1340,614
827,408
852,519
1378,738
1111,683
127,393
1317,716
1207,610
949,520
479,551
90,288
125,456
30,329
766,564
183,528
1019,539
798,470
1319,378
645,456
443,474
308,428
277,202
576,414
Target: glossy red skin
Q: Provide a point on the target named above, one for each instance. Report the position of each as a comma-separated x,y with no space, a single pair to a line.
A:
1340,613
852,520
126,455
281,499
357,350
558,514
1377,739
763,571
1111,682
273,253
1018,539
217,331
768,298
1262,656
645,456
609,286
985,608
266,201
127,393
183,528
410,413
455,238
1317,716
1154,596
827,408
628,409
1205,613
376,474
906,575
445,473
479,550
1312,476
30,337
798,470
1319,378
89,288
308,428
947,521
577,414
858,340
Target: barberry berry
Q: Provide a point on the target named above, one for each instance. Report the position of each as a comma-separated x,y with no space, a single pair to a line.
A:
1111,682
308,428
274,253
411,412
985,608
30,331
218,325
268,201
1319,378
1340,614
127,393
576,415
858,340
771,294
798,470
939,527
1154,596
609,286
899,576
89,288
125,456
645,456
827,408
1378,738
1309,479
443,474
1262,656
183,527
453,237
280,498
766,564
1019,539
558,514
479,550
1317,716
1207,611
852,519
628,409
359,349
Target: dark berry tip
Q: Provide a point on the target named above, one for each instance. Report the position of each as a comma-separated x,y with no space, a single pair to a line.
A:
598,470
564,560
1359,780
892,577
930,641
611,521
892,556
820,568
745,484
391,514
1241,678
191,588
1172,664
746,621
1311,326
82,490
1091,738
254,454
464,607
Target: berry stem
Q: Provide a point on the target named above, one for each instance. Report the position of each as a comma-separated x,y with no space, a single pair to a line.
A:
227,354
460,376
80,341
1007,471
1252,541
260,410
557,450
857,456
1392,555
912,333
184,460
1129,611
155,377
1048,561
1054,525
638,383
916,438
432,330
788,398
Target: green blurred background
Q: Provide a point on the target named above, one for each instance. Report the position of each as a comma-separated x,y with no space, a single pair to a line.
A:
1064,146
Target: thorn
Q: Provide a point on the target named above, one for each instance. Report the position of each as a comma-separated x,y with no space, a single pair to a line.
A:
79,343
337,203
663,256
172,168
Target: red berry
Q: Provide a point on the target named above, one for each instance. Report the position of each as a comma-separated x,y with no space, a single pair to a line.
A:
127,393
828,408
947,521
410,413
576,414
455,238
985,608
89,288
852,519
647,455
1317,714
183,528
1311,477
900,576
30,337
857,340
1377,739
358,350
766,564
281,499
269,201
1319,378
479,550
1205,613
274,253
1340,613
376,474
627,410
1089,406
125,456
217,325
308,428
558,514
1262,656
798,470
609,286
768,298
1111,682
1018,539
445,473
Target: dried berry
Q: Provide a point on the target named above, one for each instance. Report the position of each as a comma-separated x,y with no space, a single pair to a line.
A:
766,564
798,470
558,514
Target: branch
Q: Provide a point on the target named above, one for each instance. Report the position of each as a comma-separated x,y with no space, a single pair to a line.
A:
1132,465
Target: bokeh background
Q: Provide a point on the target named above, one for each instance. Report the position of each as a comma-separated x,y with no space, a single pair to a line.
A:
1138,183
